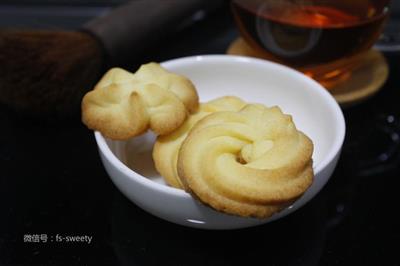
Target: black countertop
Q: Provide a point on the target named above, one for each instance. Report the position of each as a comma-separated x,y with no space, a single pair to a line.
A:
52,184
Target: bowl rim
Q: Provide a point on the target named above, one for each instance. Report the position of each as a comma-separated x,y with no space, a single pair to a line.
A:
313,85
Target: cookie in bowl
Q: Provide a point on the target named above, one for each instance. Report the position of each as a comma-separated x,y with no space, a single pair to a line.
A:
124,105
252,162
166,148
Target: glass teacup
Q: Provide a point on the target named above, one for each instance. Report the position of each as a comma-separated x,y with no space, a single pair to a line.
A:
324,39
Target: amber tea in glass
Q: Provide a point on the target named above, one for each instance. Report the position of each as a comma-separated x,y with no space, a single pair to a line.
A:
322,38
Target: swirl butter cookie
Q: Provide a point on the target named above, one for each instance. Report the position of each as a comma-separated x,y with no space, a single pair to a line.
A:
166,148
124,104
253,162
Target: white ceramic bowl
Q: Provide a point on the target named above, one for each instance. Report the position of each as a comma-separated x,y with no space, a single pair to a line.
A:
314,111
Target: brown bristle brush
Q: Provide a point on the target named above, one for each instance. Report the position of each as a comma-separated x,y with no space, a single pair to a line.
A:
46,73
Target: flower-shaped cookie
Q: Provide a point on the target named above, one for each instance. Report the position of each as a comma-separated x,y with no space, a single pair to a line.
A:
124,105
166,148
249,163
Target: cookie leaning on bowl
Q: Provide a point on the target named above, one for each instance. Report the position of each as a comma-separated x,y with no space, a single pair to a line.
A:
123,104
253,162
166,148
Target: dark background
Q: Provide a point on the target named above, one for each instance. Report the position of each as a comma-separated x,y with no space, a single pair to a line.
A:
52,182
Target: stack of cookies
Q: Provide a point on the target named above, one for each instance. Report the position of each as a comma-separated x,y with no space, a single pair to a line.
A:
239,158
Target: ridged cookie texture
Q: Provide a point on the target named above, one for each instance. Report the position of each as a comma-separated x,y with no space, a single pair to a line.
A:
123,104
166,148
253,162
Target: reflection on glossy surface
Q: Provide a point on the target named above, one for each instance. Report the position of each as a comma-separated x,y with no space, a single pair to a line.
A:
376,148
140,238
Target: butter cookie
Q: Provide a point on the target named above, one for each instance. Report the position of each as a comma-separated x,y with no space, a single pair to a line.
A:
251,163
166,148
124,104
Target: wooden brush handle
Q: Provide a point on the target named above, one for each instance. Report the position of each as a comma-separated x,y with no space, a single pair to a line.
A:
127,30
